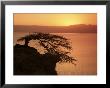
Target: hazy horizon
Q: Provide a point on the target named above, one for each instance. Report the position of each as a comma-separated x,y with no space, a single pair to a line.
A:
79,28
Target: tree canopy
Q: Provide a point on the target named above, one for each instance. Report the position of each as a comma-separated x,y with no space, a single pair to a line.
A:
53,44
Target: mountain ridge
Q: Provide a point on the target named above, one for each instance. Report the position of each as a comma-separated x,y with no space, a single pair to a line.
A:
79,28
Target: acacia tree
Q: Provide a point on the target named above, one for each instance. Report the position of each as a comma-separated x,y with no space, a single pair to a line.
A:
53,44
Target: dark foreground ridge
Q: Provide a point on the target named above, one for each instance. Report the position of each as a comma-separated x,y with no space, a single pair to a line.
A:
27,61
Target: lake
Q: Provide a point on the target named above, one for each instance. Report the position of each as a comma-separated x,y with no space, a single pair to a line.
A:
84,49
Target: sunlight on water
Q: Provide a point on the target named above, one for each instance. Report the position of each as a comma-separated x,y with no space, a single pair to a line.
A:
84,50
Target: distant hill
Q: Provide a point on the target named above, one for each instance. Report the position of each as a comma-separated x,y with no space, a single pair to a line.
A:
79,28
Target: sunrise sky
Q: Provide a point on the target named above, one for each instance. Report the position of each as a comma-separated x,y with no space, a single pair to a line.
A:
55,19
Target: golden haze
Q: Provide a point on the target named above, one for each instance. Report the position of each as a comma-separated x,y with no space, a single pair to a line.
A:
54,19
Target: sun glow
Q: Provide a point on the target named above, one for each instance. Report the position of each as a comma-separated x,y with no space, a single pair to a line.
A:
68,22
54,19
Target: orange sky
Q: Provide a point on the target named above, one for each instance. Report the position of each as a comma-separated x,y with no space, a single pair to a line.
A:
55,19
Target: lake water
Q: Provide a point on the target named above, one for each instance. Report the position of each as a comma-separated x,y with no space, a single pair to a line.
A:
84,50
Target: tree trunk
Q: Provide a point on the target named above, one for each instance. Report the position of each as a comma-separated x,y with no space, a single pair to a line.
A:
26,42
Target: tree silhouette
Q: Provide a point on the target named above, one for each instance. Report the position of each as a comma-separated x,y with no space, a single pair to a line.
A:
56,47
